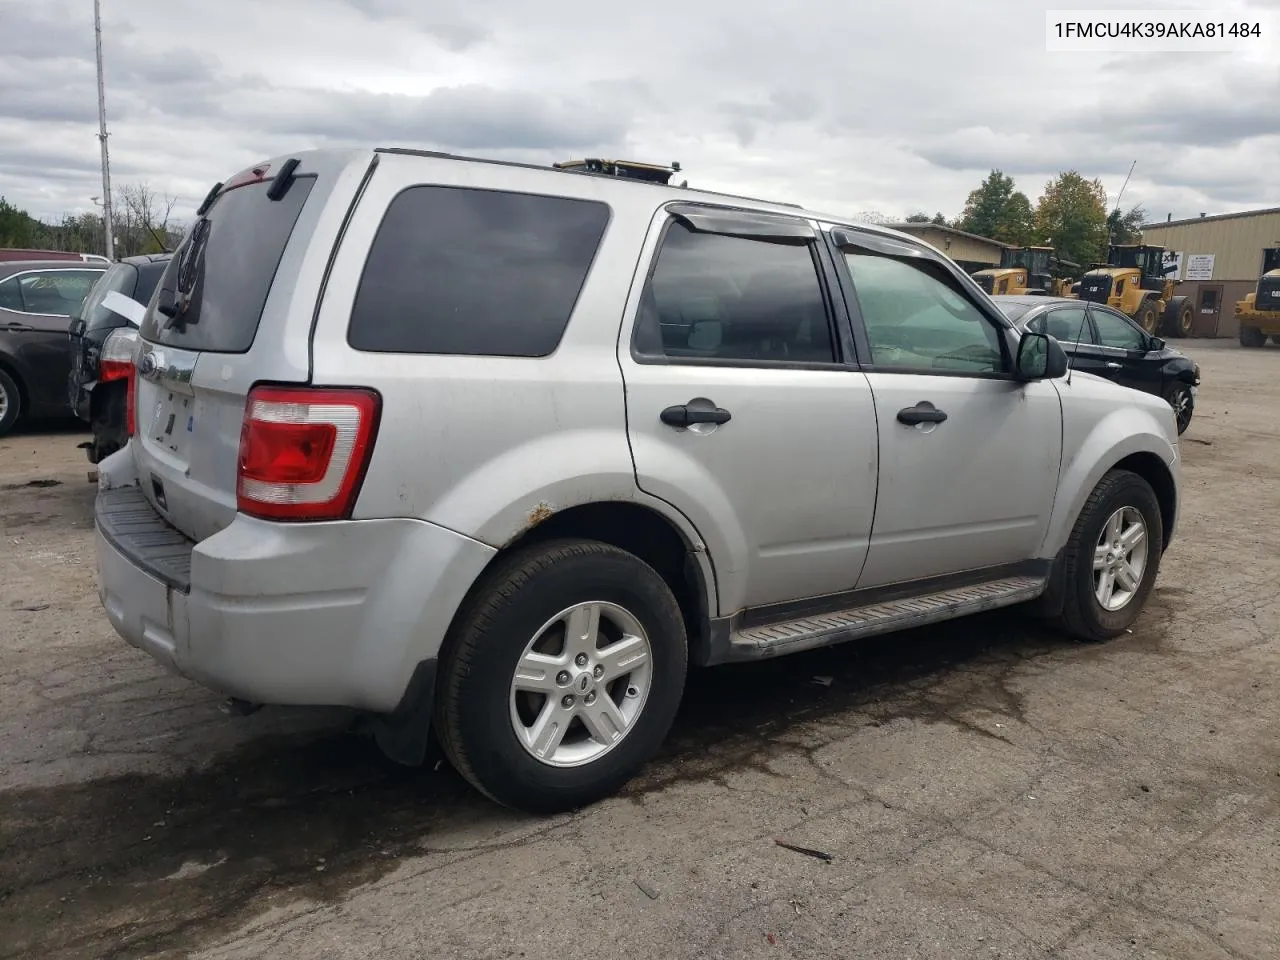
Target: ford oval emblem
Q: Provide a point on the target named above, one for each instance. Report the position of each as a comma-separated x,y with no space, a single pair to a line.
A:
147,366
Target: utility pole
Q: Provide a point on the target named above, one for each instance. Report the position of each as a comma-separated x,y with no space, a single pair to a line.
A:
108,226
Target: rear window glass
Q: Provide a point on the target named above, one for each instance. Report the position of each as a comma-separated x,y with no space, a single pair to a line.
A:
219,278
121,278
1012,309
465,271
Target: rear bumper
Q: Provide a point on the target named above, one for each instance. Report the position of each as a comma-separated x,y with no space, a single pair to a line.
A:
1268,321
334,614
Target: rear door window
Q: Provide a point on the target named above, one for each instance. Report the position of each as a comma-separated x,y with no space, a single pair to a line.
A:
218,280
479,272
53,293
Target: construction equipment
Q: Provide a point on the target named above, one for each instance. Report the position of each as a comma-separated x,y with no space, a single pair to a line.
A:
1025,271
1135,281
1259,311
649,172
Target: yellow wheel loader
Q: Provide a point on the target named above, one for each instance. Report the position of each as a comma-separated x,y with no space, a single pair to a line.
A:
1024,271
1134,281
1259,311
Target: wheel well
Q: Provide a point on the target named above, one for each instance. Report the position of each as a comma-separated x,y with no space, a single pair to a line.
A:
644,533
24,402
1153,470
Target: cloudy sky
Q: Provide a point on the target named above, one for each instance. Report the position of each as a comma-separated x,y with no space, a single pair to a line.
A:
849,106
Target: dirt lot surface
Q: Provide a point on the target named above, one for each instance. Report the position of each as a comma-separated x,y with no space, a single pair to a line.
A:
985,789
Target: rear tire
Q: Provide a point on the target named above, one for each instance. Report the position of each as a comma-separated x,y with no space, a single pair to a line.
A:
10,403
1124,495
1252,337
527,749
1179,317
1147,317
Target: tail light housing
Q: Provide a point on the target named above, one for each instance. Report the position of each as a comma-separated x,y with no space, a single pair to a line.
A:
304,451
118,361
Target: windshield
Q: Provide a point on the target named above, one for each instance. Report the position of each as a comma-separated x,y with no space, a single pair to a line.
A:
1144,258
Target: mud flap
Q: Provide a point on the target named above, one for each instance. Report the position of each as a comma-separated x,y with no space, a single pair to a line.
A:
405,734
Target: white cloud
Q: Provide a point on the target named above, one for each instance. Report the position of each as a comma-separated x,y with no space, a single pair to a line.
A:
843,107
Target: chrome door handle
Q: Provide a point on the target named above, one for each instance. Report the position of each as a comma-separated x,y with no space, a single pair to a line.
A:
1112,365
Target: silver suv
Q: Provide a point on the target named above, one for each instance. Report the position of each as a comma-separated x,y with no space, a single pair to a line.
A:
498,451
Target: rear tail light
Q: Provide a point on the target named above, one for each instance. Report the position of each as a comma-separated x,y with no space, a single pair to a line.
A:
118,361
118,351
304,451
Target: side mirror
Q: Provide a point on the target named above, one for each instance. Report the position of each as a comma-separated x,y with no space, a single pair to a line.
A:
1155,343
1040,357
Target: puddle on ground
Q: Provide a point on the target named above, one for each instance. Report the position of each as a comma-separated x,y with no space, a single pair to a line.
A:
143,865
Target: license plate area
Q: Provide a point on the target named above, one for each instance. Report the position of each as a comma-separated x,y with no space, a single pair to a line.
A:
172,421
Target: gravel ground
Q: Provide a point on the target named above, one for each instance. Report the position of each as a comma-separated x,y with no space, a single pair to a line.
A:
984,789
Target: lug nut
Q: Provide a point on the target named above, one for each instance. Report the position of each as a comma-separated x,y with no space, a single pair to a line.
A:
598,671
562,677
567,701
632,692
590,698
580,659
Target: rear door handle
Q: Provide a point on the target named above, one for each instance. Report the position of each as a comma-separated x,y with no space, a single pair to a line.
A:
17,328
1112,365
922,412
698,410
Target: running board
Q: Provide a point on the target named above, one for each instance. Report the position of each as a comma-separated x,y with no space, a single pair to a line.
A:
854,623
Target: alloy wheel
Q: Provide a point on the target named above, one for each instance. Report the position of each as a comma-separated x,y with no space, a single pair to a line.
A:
1120,559
580,684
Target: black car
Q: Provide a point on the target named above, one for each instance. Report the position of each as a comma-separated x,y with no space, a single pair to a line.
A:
37,301
1105,342
102,343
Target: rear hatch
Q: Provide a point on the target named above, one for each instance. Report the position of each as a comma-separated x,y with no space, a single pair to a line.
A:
232,309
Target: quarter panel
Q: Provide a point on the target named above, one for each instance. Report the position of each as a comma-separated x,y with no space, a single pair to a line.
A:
488,446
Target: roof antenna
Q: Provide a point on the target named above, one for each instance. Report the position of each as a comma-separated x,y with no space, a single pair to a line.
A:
1071,360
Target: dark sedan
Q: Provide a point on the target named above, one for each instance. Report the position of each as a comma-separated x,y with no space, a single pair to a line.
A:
102,344
1105,342
37,299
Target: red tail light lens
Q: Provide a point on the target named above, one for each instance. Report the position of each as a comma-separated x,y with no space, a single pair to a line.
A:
131,402
117,358
118,361
304,451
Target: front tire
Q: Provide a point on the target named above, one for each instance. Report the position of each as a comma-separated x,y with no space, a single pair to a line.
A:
1147,317
1112,558
562,677
1183,403
10,403
1252,337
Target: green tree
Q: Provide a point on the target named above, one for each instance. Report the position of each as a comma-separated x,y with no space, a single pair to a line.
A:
918,218
997,210
939,219
1017,224
1126,227
1072,217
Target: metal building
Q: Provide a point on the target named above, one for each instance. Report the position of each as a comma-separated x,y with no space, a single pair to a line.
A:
969,250
1219,261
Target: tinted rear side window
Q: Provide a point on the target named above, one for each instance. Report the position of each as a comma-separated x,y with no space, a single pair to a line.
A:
219,278
481,272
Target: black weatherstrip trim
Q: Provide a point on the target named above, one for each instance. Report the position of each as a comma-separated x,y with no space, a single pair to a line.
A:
328,267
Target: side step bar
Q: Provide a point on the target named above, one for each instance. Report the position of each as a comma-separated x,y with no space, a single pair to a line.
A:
854,623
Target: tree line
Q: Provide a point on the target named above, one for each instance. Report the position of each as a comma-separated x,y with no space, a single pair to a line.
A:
142,222
1070,216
